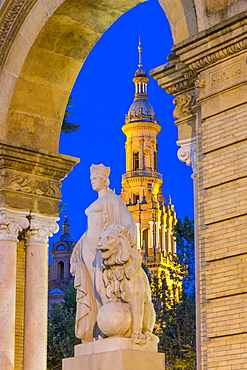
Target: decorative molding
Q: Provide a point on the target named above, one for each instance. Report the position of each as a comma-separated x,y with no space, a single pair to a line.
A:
218,55
11,20
28,161
183,107
187,153
41,227
11,223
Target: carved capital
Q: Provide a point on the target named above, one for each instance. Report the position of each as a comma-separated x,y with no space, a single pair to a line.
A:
187,153
11,223
41,227
183,104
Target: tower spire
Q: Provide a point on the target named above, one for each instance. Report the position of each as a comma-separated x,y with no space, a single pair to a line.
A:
140,52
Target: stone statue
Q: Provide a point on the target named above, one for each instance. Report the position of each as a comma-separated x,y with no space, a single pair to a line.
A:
86,262
127,284
110,283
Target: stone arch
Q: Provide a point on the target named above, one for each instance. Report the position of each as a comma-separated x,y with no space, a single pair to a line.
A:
182,18
42,65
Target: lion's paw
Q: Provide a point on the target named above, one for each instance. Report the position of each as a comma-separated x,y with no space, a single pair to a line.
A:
150,336
139,338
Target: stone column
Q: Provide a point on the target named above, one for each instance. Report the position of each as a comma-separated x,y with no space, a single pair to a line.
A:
157,224
11,223
35,337
163,245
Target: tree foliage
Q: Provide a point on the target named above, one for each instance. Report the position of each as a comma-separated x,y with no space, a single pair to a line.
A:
61,330
175,321
68,127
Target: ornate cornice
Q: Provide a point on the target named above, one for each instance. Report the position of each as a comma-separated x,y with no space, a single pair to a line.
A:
11,18
139,126
11,223
218,55
27,161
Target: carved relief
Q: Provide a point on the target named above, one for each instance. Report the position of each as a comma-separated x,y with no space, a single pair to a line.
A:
29,184
200,82
183,106
227,73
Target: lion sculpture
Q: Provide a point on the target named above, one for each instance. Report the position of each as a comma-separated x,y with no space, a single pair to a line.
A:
125,281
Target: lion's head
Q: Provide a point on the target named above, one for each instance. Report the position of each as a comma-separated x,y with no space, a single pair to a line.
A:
114,245
120,257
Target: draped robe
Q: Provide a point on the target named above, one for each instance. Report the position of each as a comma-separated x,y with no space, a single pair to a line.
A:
86,263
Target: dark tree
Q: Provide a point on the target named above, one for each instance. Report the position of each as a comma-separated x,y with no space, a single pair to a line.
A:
68,127
61,330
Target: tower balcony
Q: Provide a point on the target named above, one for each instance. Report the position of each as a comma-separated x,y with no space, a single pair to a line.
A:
142,173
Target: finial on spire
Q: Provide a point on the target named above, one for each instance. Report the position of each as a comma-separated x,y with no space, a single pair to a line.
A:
140,51
66,210
169,199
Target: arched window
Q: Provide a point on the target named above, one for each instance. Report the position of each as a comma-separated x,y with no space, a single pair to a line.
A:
136,161
61,270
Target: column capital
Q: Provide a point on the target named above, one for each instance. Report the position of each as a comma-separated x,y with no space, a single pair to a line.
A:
187,153
11,223
41,227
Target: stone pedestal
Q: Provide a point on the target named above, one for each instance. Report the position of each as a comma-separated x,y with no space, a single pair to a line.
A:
115,354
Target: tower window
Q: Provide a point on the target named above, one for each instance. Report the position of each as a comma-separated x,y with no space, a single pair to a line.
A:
61,270
136,161
135,198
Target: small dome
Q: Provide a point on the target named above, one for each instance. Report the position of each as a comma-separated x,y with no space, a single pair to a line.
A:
141,109
66,238
140,72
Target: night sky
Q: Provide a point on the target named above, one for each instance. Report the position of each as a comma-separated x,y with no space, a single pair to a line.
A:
102,95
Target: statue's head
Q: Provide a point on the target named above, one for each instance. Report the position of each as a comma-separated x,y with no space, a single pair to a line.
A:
99,176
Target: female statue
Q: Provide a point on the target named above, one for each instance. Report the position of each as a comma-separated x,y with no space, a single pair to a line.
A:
86,262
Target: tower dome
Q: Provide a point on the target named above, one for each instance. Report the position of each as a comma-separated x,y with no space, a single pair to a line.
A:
140,109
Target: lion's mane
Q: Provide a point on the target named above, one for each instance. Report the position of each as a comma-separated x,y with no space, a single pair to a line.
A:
127,262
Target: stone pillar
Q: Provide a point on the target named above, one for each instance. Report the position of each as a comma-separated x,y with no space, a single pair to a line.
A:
11,223
35,337
157,224
169,244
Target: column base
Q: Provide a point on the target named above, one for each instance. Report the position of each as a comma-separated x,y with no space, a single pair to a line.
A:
115,354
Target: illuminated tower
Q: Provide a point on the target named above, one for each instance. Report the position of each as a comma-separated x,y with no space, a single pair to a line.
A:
142,184
59,269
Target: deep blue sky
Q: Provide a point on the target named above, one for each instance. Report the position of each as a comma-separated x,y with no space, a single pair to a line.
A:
102,95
